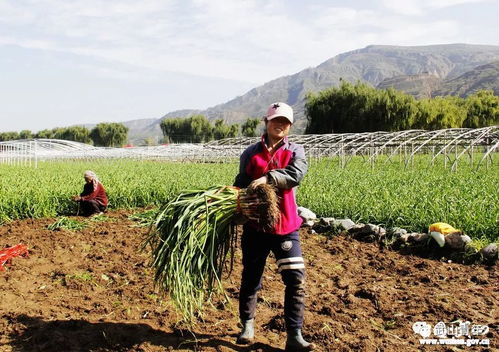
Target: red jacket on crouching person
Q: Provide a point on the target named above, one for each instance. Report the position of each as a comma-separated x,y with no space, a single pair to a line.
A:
98,194
93,199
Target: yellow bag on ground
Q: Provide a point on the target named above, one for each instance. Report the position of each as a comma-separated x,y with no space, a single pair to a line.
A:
443,228
439,229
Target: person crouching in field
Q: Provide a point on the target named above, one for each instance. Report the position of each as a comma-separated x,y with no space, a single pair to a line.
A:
93,199
276,161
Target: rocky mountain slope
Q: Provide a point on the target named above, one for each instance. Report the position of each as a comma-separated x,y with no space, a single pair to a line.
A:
427,85
481,77
419,85
373,64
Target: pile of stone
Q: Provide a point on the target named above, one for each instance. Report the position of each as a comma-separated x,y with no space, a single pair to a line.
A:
395,237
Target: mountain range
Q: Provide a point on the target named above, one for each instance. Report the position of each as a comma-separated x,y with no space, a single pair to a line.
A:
426,85
423,71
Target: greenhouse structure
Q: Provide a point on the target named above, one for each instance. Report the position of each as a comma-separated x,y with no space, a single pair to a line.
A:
450,146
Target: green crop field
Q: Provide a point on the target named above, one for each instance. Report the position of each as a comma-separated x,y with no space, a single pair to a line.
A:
46,190
386,194
411,198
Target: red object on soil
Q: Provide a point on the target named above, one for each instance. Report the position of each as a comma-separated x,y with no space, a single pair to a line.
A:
11,252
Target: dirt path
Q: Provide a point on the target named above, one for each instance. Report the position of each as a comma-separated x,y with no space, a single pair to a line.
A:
91,290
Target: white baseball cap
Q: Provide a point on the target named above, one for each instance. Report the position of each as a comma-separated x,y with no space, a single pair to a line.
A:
279,109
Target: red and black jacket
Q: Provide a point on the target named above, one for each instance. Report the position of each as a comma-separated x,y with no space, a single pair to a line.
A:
98,194
285,169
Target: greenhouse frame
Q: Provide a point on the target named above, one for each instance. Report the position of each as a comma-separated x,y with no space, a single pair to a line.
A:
475,146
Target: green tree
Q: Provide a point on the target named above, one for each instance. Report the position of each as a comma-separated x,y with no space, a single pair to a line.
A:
440,112
8,136
233,130
361,108
25,134
58,132
149,142
76,133
194,129
45,134
171,129
109,134
249,127
200,129
220,130
482,109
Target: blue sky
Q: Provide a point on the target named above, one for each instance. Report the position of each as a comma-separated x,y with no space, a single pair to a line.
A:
65,62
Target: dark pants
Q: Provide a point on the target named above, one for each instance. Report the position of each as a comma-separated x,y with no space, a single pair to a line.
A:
256,247
90,207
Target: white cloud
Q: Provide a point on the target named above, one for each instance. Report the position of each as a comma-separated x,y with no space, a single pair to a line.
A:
251,40
348,28
448,3
407,7
420,7
115,51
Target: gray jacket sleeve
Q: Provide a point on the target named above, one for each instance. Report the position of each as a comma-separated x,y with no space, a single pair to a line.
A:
291,175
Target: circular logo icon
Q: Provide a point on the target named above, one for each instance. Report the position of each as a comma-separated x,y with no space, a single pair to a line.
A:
286,245
422,328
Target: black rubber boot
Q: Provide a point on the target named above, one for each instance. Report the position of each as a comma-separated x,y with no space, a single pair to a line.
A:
296,343
248,333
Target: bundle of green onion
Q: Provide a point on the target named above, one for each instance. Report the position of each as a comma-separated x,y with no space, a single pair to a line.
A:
192,236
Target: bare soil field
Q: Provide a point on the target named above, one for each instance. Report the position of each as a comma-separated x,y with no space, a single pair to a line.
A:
92,290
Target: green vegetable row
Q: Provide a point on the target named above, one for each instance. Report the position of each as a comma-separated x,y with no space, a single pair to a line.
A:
387,193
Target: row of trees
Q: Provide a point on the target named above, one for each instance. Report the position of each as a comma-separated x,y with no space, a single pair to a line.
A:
362,108
198,129
102,135
347,108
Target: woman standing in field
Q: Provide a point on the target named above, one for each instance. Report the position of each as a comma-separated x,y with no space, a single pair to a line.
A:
276,161
93,199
